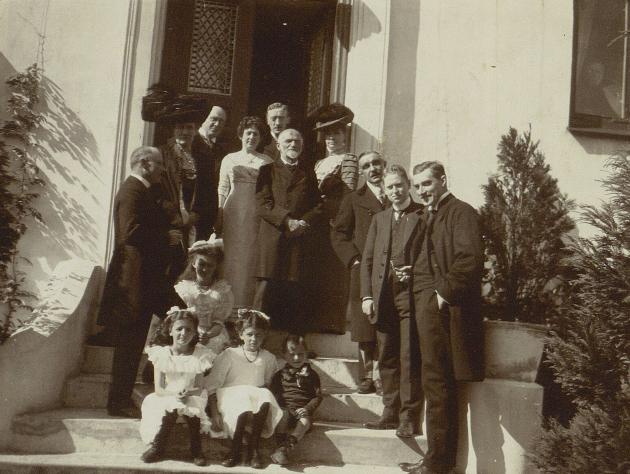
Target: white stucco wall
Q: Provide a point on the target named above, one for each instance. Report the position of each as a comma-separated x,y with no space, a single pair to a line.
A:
81,47
472,69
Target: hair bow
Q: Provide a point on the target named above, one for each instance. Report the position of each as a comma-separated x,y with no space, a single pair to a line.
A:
212,243
243,312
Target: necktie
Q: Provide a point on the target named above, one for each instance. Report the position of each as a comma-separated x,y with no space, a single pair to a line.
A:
398,214
381,197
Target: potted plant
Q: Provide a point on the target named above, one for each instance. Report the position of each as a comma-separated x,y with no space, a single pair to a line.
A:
525,221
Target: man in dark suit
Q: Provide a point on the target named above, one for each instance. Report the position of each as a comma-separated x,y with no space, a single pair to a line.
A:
446,253
278,119
207,154
288,204
136,279
347,237
387,302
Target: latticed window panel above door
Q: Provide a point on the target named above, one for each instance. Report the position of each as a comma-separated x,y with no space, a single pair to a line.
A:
212,47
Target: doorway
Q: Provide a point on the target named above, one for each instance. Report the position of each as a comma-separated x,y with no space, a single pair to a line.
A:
246,54
285,41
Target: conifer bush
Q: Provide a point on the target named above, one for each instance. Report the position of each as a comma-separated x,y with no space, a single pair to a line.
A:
589,350
525,219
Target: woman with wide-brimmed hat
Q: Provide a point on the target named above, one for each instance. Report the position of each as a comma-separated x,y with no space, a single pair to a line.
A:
337,175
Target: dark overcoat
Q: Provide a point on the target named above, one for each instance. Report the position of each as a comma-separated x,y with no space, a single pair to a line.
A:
458,267
351,225
282,194
271,149
347,237
205,201
375,266
136,281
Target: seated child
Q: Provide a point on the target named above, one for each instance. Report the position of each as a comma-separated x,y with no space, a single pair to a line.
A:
178,375
298,391
207,295
239,401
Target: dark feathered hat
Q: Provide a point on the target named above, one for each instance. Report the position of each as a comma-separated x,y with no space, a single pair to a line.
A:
331,115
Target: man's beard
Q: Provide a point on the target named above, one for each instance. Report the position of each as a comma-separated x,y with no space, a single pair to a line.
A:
292,155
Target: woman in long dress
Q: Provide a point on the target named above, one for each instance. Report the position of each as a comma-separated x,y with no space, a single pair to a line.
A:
238,219
337,175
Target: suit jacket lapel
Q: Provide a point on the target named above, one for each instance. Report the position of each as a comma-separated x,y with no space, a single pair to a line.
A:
412,221
386,215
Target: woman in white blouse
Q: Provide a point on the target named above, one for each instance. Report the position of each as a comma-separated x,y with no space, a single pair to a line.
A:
238,220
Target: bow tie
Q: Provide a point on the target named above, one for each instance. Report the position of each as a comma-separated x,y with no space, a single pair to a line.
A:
398,213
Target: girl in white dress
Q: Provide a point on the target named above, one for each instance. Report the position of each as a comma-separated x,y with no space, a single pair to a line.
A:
238,398
207,295
178,375
238,219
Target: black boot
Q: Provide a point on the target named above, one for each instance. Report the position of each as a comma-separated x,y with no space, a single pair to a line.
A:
156,451
259,421
237,441
194,428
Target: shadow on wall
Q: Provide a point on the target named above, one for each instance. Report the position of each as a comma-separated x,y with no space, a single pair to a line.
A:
67,155
597,146
503,419
369,22
401,82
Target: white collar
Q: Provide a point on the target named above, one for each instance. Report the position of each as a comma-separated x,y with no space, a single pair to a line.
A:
404,206
442,197
376,190
287,163
142,180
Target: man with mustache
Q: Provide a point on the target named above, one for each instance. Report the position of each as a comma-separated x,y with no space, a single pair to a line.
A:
386,301
278,119
207,155
446,256
288,204
348,236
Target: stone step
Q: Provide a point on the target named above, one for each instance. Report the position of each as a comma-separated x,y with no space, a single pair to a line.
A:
92,431
338,405
98,360
333,345
337,372
83,463
87,391
346,406
334,372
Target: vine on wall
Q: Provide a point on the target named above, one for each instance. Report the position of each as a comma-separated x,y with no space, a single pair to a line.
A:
19,180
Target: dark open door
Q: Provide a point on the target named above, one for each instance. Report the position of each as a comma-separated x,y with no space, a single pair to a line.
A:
207,52
320,46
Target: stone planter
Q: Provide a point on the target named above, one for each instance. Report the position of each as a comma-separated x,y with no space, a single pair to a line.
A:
513,350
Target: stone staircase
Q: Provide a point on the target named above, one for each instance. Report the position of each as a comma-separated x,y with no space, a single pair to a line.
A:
81,433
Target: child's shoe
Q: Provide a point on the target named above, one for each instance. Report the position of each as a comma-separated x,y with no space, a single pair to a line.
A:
231,461
199,460
256,460
279,456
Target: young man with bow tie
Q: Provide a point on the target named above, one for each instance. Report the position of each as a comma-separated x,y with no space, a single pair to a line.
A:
386,300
